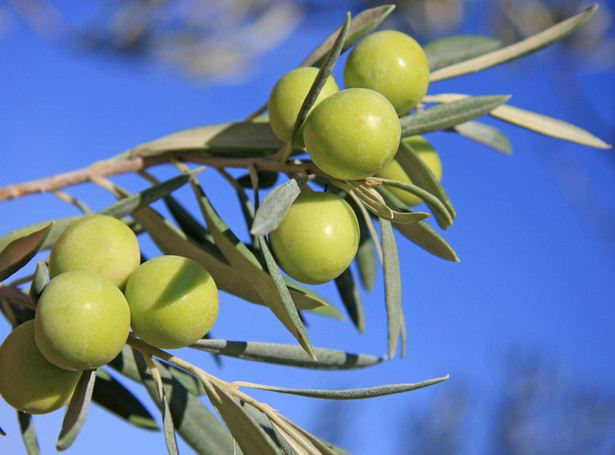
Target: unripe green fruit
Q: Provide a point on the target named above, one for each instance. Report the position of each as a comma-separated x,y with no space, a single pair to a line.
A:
394,171
28,381
173,301
288,95
391,63
352,134
317,239
99,244
82,321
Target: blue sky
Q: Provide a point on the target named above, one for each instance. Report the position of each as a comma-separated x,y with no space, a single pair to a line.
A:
537,262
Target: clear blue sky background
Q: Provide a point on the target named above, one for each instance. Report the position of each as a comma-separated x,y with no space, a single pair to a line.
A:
537,258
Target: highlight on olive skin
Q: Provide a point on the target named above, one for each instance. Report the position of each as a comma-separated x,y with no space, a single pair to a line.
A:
99,244
286,99
352,134
317,239
28,381
394,171
82,321
392,63
173,301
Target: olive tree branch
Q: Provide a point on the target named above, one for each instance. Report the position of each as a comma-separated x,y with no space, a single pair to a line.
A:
138,163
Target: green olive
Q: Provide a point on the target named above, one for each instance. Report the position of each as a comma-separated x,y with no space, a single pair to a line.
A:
317,239
173,301
352,134
288,95
82,321
394,171
99,244
28,381
391,63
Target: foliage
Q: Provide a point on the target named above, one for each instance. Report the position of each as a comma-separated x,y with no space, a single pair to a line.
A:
248,270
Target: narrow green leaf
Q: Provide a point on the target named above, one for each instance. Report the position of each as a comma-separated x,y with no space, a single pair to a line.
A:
192,420
422,176
39,280
248,434
516,50
321,78
19,251
77,410
249,267
363,23
392,290
28,435
290,310
485,134
423,235
113,396
57,228
274,206
447,115
187,223
349,394
366,255
532,121
454,49
288,355
351,299
243,139
132,203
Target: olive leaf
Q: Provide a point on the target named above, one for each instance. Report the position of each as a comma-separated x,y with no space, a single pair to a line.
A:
188,224
19,251
77,410
454,49
516,50
246,264
485,134
134,202
533,121
423,235
266,179
392,290
447,115
28,434
274,206
363,23
249,435
421,175
288,355
57,228
348,394
113,396
351,298
39,280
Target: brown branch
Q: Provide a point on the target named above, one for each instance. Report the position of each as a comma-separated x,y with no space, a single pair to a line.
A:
136,164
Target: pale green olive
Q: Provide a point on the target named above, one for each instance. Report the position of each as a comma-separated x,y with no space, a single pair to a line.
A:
28,381
287,96
317,239
394,171
173,301
352,134
82,321
391,63
99,244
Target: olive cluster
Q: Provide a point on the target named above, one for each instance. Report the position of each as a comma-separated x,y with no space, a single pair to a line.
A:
350,134
98,291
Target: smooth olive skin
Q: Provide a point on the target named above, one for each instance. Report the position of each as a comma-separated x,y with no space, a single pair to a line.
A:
82,321
394,171
173,301
317,239
28,381
352,134
287,96
391,63
99,244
